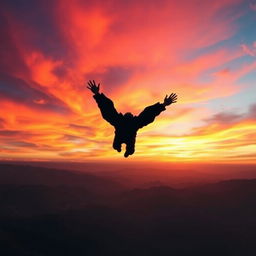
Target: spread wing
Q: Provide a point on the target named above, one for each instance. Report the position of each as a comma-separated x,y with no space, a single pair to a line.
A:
149,114
107,108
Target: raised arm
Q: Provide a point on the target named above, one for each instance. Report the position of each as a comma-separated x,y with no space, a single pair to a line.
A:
168,100
105,105
149,114
95,89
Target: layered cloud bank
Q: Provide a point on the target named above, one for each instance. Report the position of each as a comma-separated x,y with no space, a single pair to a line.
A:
139,51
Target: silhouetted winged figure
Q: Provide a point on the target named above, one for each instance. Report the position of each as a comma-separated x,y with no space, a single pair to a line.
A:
126,125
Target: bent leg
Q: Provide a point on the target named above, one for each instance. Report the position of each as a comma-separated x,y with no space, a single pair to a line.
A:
117,144
130,148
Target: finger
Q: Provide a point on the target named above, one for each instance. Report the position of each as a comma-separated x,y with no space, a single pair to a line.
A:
99,86
94,82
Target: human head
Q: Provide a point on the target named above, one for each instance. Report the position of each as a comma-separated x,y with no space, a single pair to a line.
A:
128,115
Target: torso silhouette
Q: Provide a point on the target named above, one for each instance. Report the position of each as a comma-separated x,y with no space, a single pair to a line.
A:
127,125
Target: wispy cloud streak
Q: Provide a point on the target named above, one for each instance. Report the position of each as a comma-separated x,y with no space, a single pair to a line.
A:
139,51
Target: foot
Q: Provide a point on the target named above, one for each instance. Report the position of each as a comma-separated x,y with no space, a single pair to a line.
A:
118,149
126,154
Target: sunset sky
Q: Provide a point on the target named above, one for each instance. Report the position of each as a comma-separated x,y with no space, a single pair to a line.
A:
205,51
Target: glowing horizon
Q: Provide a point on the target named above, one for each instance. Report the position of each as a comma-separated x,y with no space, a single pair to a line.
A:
139,51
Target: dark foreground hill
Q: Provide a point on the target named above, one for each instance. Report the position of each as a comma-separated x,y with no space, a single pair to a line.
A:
50,212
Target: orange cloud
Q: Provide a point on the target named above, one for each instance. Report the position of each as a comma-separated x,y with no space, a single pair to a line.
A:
139,51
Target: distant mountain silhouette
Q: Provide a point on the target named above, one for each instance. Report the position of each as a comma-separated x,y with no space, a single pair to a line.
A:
30,175
57,212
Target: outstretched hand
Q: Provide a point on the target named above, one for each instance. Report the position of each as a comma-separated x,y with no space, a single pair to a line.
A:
93,87
168,100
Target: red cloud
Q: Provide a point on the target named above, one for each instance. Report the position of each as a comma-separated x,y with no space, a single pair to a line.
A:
138,50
